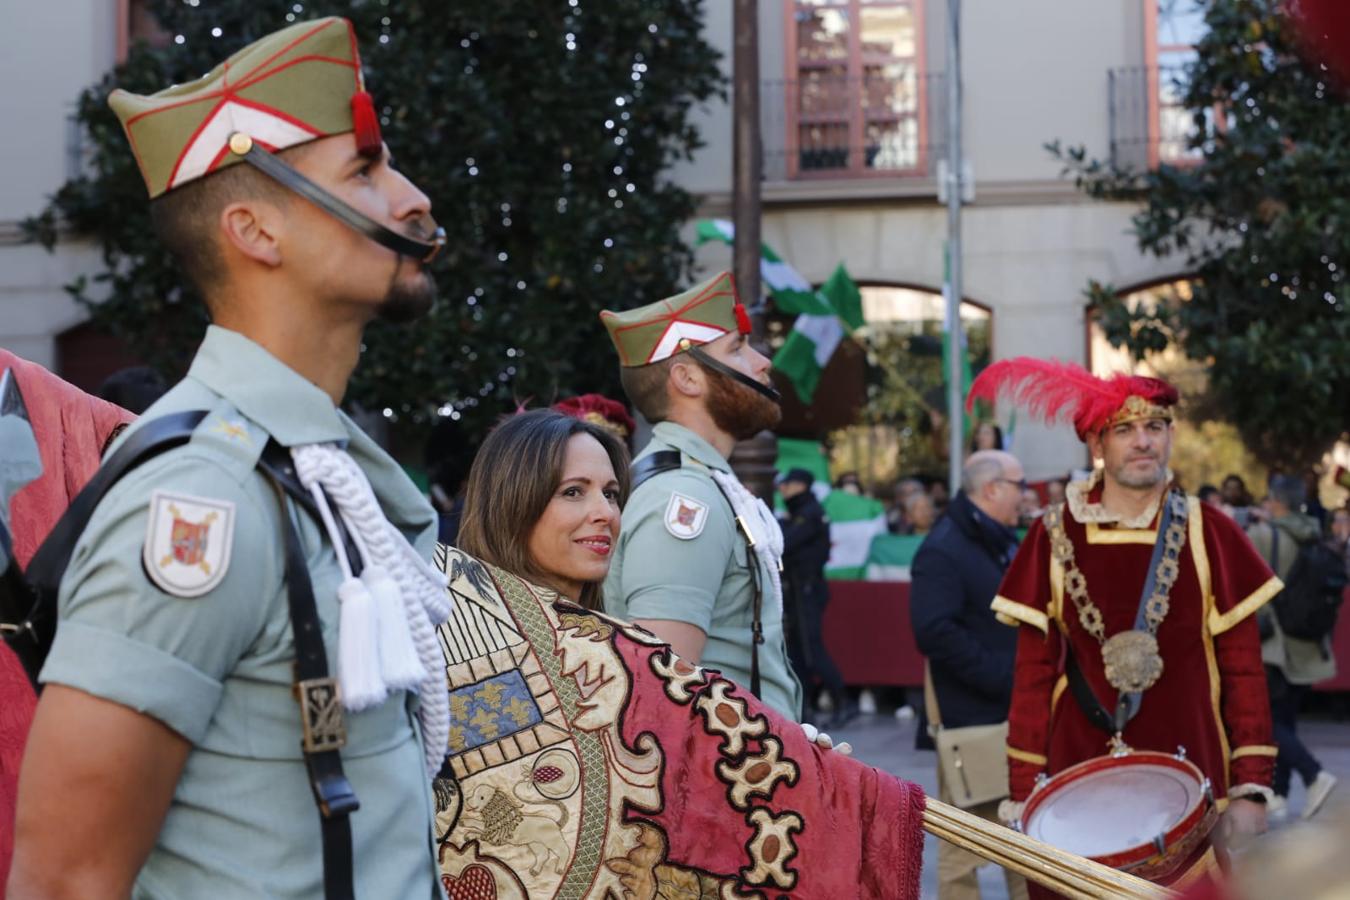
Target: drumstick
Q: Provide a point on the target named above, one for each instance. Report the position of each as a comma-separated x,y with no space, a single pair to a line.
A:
1060,871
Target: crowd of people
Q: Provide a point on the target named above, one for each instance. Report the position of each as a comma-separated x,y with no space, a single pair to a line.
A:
280,671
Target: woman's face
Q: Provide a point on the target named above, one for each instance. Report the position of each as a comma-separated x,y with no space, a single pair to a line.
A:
986,438
572,541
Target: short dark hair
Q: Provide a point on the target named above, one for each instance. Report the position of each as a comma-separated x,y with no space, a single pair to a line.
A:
133,388
512,481
186,219
646,388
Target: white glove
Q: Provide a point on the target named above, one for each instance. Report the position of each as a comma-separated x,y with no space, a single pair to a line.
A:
824,741
1010,813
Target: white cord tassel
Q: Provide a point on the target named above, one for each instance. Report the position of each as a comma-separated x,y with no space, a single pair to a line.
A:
400,665
358,666
421,588
764,528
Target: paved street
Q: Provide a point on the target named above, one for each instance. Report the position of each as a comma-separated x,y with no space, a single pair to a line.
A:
882,740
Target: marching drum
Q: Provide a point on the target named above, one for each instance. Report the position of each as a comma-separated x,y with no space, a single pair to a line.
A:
1137,811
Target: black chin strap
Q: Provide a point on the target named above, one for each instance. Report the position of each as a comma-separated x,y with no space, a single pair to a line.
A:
253,154
764,389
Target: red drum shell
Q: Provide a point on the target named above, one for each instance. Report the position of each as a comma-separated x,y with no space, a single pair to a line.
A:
1113,809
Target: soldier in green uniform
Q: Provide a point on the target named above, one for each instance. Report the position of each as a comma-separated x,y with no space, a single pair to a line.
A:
698,560
165,760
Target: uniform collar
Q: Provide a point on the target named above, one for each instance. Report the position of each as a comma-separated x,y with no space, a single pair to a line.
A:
290,408
690,444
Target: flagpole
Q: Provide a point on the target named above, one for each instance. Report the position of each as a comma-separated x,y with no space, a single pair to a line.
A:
953,299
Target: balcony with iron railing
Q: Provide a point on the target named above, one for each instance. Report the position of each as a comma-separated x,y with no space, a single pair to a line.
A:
1148,122
828,128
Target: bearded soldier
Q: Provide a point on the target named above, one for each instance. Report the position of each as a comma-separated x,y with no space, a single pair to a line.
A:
698,561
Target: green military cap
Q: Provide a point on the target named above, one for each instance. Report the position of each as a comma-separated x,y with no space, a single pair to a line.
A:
659,330
295,85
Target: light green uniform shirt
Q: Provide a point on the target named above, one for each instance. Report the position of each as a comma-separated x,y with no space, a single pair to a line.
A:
216,668
680,557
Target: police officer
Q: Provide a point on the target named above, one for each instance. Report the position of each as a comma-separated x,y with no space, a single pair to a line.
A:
166,757
806,550
698,559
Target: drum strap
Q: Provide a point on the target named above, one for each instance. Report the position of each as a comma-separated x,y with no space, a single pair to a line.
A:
1127,703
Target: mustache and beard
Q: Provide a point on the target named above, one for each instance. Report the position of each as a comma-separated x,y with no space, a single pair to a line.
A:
738,410
409,299
1152,477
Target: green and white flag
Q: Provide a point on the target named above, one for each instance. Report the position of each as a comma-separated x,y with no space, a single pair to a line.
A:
854,522
891,556
824,317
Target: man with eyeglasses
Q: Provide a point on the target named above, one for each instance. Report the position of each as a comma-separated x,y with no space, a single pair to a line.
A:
970,655
1135,605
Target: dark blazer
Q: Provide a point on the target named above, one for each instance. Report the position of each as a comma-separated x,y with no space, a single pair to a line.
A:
954,578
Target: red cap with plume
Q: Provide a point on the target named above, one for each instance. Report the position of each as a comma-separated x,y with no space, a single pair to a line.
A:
599,410
1053,390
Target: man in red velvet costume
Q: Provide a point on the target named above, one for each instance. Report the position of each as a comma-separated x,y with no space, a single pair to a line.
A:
1194,642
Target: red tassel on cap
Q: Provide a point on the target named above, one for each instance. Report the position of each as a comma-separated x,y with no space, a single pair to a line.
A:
742,319
366,125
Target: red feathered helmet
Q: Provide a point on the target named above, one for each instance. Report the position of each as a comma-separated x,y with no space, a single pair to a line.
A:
599,410
1052,390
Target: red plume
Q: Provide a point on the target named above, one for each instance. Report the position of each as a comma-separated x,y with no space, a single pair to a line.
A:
1052,390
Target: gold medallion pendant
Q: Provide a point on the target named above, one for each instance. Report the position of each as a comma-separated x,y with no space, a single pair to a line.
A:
1132,661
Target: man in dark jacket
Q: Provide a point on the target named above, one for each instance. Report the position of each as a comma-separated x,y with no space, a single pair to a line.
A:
956,575
806,549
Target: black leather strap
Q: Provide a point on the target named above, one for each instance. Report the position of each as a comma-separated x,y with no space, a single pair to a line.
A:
333,793
1086,699
275,168
36,624
653,464
718,366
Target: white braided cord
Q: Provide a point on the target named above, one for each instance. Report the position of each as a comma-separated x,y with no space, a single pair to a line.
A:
764,528
426,602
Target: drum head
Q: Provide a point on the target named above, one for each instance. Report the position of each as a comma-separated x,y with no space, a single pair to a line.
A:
1113,809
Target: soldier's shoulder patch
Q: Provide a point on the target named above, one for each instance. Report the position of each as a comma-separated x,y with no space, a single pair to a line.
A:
685,516
187,542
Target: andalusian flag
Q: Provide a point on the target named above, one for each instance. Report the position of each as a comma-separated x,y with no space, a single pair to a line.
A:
824,317
854,522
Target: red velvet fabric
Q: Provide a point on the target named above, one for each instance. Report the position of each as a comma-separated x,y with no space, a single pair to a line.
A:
71,428
1180,709
862,829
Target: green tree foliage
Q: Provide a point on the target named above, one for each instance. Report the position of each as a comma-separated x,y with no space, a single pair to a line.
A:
539,128
1262,222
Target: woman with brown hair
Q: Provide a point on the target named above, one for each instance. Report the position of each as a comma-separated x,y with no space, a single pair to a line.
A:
543,502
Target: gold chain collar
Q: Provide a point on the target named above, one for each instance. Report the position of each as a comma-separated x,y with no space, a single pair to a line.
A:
1130,657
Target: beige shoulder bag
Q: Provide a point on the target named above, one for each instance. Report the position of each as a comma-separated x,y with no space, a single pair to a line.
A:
974,759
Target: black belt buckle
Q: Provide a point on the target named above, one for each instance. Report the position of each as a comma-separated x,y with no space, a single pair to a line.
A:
324,727
335,795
